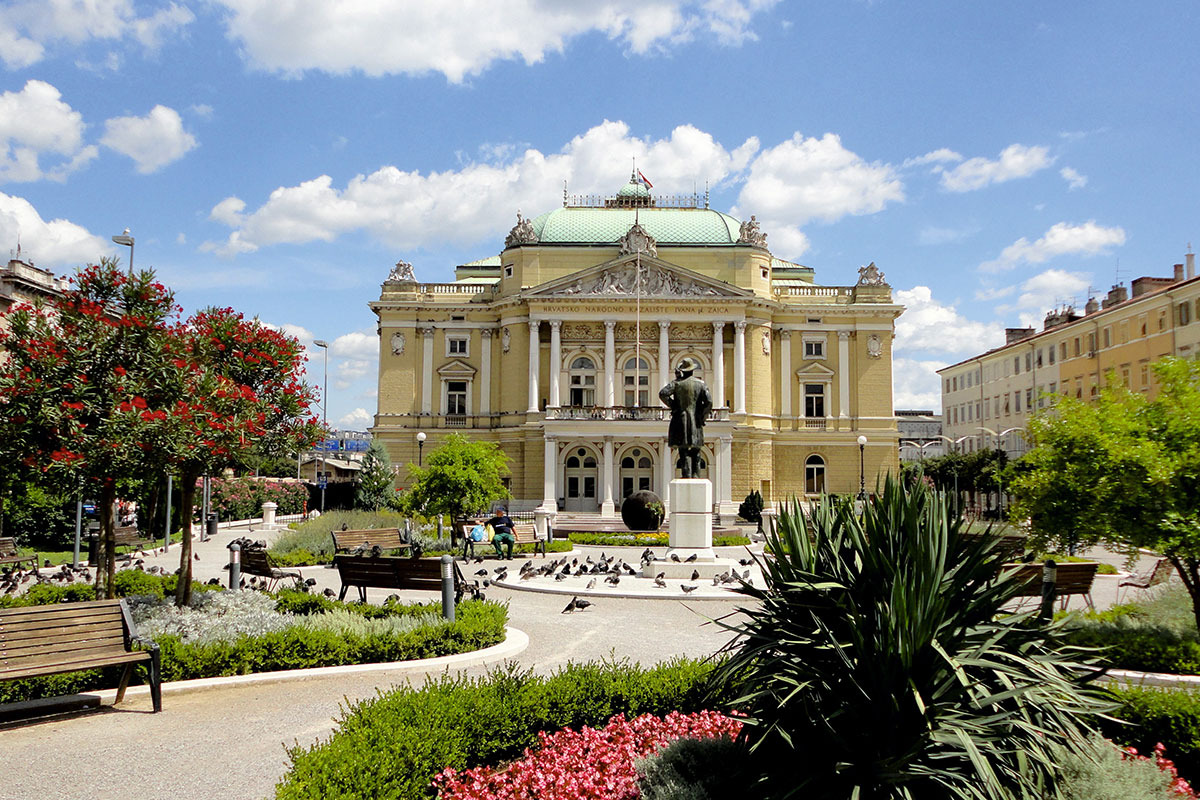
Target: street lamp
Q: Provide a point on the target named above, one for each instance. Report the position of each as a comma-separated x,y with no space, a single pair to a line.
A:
862,475
421,437
126,240
324,345
955,443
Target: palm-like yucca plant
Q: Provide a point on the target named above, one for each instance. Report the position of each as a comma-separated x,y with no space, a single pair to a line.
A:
879,664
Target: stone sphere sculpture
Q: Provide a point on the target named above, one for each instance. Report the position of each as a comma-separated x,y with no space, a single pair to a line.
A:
642,511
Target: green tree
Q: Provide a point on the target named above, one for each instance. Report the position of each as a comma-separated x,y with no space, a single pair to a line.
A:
1123,471
460,477
375,488
83,387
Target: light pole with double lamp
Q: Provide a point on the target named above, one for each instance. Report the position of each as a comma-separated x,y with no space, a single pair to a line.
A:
324,345
1000,447
862,475
126,240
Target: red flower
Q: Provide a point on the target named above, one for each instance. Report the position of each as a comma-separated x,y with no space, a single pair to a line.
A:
119,371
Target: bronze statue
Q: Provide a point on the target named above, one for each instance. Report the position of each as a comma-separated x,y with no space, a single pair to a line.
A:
690,401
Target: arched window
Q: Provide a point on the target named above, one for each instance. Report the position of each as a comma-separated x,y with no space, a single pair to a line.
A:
582,382
814,475
637,382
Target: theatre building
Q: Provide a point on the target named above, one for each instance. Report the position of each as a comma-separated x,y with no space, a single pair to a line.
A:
556,350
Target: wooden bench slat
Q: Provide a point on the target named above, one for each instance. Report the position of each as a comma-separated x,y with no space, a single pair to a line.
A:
385,538
38,656
75,665
70,637
392,573
33,621
60,608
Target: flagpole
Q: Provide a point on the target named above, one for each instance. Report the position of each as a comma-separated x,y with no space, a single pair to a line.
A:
637,346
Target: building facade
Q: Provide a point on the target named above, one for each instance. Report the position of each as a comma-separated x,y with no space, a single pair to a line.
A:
987,400
920,434
557,348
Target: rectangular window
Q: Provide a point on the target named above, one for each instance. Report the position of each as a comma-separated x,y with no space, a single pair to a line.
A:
814,348
1017,402
1028,399
456,397
1108,337
1185,313
1142,323
955,384
1162,320
1053,387
1028,361
947,385
1077,347
1017,365
1062,351
1125,374
1144,369
987,408
508,270
1039,358
814,400
1007,406
456,345
1091,344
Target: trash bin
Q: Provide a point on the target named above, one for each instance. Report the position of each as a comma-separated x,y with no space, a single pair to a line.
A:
212,525
93,545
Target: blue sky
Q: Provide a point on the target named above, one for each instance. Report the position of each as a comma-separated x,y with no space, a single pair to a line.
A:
993,159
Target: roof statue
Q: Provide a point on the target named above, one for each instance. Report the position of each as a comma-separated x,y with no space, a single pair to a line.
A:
521,233
748,233
636,240
870,276
401,273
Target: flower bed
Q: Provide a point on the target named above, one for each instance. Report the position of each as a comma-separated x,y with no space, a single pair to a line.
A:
588,764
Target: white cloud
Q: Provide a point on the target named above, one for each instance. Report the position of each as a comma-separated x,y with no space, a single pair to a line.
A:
407,210
1053,288
460,39
27,27
1061,239
933,235
350,370
1073,178
152,141
806,179
56,243
202,110
36,124
916,385
1015,161
358,419
940,156
929,326
359,344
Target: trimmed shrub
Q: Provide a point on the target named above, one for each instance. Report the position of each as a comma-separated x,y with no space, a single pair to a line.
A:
695,769
393,745
660,539
1156,636
1106,772
1153,716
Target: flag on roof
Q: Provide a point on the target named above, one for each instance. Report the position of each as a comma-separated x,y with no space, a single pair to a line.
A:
642,178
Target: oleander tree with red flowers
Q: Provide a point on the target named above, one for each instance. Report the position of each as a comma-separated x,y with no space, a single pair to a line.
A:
84,381
242,398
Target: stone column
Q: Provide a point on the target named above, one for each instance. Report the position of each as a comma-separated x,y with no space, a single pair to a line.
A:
739,367
843,374
555,362
610,355
726,506
534,360
718,360
667,472
664,356
485,371
550,473
785,378
427,371
607,507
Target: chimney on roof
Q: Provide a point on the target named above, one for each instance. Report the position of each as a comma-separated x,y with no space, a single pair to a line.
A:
1191,265
1178,273
1117,294
1092,306
1017,334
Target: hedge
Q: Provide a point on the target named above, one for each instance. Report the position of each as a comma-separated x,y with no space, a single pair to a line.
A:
632,539
391,746
1150,716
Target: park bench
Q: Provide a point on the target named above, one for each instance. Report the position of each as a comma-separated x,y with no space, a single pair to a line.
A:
255,561
129,537
424,574
523,532
8,553
66,637
1158,575
1073,577
385,538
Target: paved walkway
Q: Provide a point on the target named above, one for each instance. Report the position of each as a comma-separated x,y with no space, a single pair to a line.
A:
229,743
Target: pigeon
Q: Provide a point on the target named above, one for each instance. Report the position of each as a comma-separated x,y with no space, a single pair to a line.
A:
560,576
613,579
660,583
482,572
311,582
695,574
571,606
688,589
581,604
647,555
527,565
376,551
329,593
692,558
197,555
592,584
675,557
745,562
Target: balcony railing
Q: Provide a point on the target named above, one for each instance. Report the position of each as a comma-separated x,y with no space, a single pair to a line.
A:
626,413
822,294
815,424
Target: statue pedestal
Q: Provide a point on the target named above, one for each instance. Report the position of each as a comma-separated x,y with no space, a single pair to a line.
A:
691,519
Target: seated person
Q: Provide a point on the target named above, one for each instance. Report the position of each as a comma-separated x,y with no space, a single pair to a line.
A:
502,533
473,532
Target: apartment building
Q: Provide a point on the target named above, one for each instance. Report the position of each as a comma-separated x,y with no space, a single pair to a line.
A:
987,400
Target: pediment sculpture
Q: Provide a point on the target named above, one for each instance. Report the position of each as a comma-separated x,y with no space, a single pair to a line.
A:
748,233
636,240
521,233
402,273
870,276
629,280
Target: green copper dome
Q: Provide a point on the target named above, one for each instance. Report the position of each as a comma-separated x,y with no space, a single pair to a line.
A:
668,226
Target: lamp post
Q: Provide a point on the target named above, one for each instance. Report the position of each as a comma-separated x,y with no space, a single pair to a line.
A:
324,345
126,240
421,437
862,475
955,443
